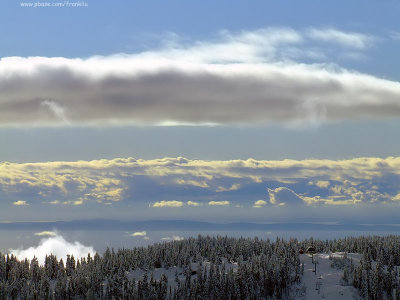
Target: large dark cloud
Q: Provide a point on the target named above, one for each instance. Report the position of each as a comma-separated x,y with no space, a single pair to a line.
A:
239,80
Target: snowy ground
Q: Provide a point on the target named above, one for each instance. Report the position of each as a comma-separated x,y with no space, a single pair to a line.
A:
326,283
170,272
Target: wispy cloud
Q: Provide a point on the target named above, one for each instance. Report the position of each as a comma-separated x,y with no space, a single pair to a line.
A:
261,45
56,109
54,202
233,187
347,39
395,35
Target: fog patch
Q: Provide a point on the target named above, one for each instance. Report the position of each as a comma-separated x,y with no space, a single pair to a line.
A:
55,245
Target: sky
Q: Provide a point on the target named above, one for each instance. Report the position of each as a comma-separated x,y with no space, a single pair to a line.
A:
217,111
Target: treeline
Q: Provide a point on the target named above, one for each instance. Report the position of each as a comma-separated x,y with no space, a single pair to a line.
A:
388,247
203,268
263,270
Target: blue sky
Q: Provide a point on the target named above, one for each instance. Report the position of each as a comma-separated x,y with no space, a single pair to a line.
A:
106,27
215,83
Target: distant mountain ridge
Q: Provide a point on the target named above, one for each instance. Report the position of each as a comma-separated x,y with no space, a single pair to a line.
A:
187,225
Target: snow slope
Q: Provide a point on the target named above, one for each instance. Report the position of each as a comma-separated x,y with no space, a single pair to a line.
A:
326,283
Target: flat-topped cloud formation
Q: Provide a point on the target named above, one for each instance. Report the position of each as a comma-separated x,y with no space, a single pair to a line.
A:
253,77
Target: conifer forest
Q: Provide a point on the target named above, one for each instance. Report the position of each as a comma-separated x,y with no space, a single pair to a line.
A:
203,268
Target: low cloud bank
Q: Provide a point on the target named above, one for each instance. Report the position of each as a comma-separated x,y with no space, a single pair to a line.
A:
55,245
173,93
250,77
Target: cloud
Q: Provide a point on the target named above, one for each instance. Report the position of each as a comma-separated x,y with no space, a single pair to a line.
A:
193,203
356,193
46,233
55,245
139,233
358,180
198,83
283,195
201,184
395,35
54,202
173,238
347,39
56,109
171,203
218,203
20,203
323,184
286,196
70,184
259,203
233,187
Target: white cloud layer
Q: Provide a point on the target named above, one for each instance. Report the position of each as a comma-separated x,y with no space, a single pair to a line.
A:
55,245
358,180
244,78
